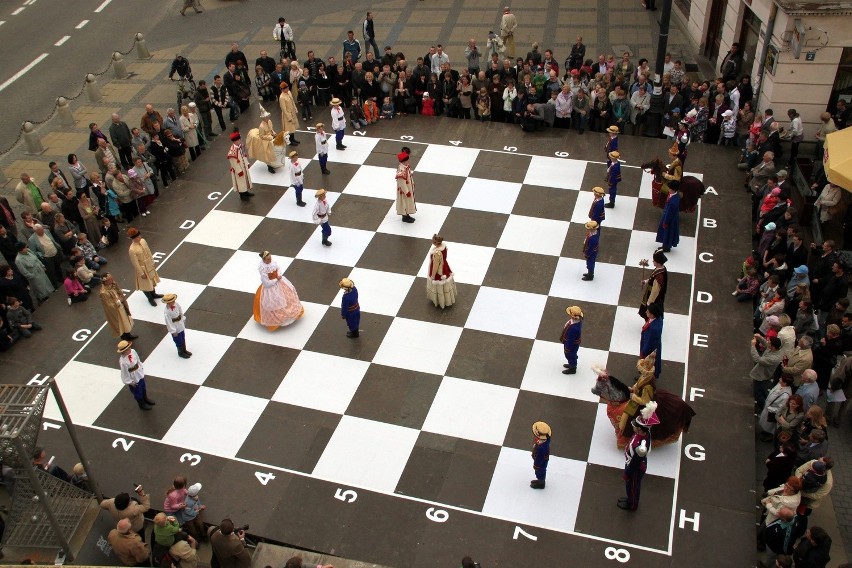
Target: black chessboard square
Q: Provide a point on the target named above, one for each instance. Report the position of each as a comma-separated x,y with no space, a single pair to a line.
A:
330,336
545,202
575,419
612,246
395,253
359,212
449,470
280,237
101,348
677,291
490,358
265,198
474,227
251,368
385,151
337,181
124,415
394,396
195,263
289,436
316,281
418,307
220,311
521,271
501,165
437,189
631,179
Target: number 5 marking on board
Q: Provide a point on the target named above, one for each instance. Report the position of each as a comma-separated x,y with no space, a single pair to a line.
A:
510,148
620,554
264,478
344,495
521,532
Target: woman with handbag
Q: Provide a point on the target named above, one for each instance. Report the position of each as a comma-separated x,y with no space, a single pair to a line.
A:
776,404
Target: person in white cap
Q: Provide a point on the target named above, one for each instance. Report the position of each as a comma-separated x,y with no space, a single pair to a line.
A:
191,513
321,139
176,324
729,129
133,375
338,122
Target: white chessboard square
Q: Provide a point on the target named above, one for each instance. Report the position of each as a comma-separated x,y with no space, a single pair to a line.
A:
662,461
240,274
488,195
447,160
543,373
215,422
474,261
294,336
428,221
287,209
353,457
187,293
260,173
348,246
627,331
645,185
378,292
507,312
562,173
471,410
418,346
681,258
533,235
330,390
604,289
206,348
357,150
86,389
224,229
373,181
509,496
620,217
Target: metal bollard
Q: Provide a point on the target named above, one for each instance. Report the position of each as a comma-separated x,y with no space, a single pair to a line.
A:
119,65
63,109
31,139
141,48
92,90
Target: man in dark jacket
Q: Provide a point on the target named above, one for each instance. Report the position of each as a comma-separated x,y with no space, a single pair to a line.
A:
122,139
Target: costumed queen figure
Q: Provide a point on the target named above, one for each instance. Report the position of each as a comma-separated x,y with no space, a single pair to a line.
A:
276,302
440,284
260,143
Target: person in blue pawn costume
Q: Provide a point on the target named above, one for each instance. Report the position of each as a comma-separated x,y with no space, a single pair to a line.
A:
596,211
611,142
349,308
540,453
613,177
571,337
668,233
590,249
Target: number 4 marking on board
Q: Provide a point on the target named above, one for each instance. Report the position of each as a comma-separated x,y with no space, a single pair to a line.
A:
521,532
264,478
455,142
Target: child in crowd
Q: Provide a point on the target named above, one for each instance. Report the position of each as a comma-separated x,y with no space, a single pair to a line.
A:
74,288
20,319
356,115
87,251
166,529
371,110
483,105
86,276
747,286
305,102
428,105
387,109
109,233
191,513
729,129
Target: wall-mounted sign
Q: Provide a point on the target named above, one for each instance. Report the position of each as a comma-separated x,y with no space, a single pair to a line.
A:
810,56
771,61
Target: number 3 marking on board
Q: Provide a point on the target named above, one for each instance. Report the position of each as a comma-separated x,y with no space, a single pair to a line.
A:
521,532
124,443
344,495
407,138
620,554
264,478
193,459
437,515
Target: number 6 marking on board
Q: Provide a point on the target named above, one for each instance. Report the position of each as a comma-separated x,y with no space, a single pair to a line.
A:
193,459
124,443
561,154
344,495
437,515
521,532
620,554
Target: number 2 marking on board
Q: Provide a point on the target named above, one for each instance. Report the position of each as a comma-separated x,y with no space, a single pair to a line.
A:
123,443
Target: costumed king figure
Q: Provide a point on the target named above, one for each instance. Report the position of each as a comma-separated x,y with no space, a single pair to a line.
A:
668,232
276,302
239,168
590,249
260,143
350,310
133,375
322,215
405,201
571,337
597,212
655,286
440,284
613,177
176,324
540,453
636,457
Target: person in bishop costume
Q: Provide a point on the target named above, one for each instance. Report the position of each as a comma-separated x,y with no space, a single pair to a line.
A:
405,201
613,177
540,453
239,168
322,215
259,142
276,302
440,284
116,309
590,249
596,211
611,142
571,337
297,177
655,286
350,310
636,456
321,139
668,232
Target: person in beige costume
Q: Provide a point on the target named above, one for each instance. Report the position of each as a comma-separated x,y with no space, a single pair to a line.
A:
143,262
289,114
259,142
116,309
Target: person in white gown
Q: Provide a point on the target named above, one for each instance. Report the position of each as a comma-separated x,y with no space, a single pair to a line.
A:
276,302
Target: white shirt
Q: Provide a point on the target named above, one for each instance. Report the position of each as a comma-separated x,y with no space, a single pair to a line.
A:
131,368
322,142
322,207
172,314
338,118
282,29
297,175
437,60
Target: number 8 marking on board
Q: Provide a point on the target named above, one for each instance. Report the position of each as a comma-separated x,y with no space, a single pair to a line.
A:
620,554
437,515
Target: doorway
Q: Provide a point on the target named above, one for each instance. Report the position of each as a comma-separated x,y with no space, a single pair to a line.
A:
713,40
749,37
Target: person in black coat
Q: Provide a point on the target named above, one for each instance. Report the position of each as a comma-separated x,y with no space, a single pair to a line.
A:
813,550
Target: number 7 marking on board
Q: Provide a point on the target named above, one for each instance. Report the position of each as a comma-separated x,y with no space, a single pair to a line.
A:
521,532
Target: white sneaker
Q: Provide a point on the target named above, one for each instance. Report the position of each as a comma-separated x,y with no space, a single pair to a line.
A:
69,301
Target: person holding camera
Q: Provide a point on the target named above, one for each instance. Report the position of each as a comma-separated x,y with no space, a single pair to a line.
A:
229,545
122,507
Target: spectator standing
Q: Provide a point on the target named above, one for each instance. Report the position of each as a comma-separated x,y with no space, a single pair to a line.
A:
122,139
508,25
229,547
369,32
121,507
